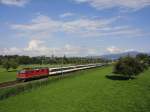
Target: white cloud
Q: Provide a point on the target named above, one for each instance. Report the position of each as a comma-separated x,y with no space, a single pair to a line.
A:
114,49
43,26
38,48
67,14
35,45
123,4
19,3
39,27
41,22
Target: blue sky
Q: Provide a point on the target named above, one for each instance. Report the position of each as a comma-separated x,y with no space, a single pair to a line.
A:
74,27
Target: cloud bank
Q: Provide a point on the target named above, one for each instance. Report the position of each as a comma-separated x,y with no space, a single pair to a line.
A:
43,26
18,3
133,5
38,48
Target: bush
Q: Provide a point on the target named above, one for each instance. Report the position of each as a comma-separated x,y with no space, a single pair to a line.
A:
129,67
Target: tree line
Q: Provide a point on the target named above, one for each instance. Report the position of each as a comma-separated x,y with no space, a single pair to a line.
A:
13,61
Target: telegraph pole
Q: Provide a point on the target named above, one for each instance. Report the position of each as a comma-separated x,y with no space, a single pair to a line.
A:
62,61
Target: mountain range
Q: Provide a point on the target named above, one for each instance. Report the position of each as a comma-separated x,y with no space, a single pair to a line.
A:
118,55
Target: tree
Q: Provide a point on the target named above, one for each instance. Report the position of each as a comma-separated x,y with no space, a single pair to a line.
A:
6,64
128,66
144,59
14,64
10,63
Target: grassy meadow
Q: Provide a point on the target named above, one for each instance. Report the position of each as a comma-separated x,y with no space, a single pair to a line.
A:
85,91
7,76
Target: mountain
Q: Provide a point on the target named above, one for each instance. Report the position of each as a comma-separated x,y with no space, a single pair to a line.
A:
117,56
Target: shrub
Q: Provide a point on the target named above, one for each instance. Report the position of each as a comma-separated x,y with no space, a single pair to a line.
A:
128,66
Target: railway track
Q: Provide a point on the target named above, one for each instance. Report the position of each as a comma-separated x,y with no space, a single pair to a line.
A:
9,83
59,72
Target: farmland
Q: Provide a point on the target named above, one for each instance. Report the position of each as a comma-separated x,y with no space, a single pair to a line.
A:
85,91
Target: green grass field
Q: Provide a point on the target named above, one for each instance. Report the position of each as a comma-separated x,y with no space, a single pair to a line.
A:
7,76
85,91
11,75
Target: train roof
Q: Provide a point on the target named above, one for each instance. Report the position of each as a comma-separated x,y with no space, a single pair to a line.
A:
35,68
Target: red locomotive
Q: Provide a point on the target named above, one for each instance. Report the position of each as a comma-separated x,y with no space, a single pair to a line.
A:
28,73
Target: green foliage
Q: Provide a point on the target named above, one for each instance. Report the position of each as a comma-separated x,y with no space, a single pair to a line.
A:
144,59
10,63
26,60
6,64
128,66
14,64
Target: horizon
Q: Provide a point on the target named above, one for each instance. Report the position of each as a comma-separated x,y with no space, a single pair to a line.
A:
88,56
74,27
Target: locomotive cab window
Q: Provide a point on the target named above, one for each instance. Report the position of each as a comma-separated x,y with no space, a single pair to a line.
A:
22,72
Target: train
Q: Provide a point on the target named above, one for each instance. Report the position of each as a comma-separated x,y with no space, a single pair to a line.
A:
33,73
